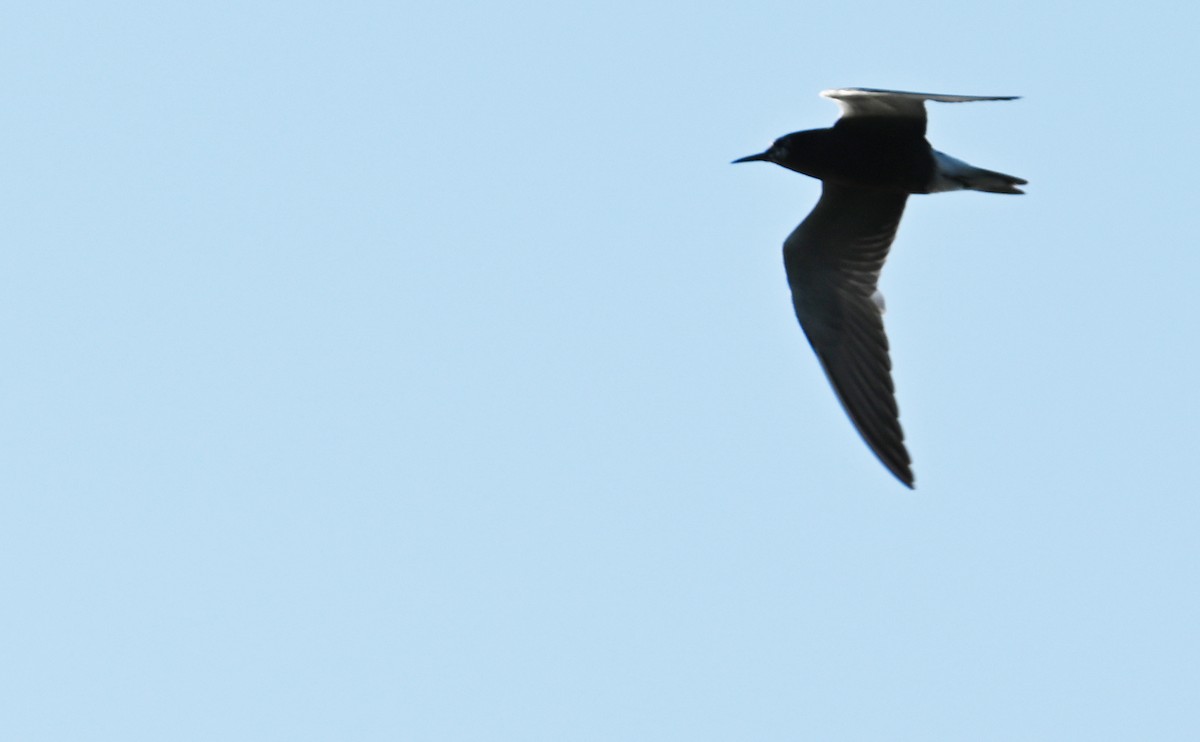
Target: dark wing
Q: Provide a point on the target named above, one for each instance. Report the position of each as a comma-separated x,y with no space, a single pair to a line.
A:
833,261
896,105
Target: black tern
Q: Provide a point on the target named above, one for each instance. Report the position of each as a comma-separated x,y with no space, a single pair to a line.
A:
868,164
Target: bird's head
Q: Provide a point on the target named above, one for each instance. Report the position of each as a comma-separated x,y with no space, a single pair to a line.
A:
788,150
799,151
777,152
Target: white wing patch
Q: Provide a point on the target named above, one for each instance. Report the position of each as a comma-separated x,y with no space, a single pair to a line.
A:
876,102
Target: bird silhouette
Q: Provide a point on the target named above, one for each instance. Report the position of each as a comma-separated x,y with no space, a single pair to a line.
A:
868,164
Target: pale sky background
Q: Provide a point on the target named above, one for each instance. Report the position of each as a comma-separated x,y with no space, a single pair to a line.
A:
424,372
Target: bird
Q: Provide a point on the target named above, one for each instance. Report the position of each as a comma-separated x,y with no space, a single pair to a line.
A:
868,162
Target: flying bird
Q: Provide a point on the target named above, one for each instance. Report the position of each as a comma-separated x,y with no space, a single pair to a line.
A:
868,164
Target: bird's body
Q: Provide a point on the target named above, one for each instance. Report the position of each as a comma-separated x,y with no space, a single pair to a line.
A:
869,162
862,156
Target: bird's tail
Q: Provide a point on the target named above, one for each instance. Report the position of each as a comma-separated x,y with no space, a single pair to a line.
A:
956,175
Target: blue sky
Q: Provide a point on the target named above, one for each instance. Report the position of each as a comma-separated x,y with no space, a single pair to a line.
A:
391,372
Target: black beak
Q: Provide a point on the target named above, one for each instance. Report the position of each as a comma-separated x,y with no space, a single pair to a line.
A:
751,158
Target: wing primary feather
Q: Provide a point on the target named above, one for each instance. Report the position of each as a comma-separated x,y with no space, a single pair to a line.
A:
833,260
